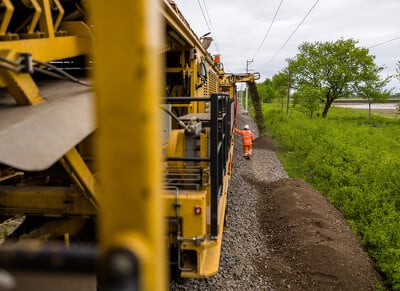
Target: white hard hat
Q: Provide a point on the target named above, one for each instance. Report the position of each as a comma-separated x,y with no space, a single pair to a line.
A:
246,126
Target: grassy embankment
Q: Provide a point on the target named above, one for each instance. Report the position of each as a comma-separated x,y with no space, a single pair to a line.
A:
356,165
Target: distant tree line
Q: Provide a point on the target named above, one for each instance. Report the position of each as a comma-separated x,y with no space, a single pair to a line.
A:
323,72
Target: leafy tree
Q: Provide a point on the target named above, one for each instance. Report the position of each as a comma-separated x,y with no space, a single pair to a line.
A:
266,91
338,68
269,94
372,91
309,99
398,70
281,83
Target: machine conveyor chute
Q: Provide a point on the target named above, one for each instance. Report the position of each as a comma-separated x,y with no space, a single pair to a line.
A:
35,137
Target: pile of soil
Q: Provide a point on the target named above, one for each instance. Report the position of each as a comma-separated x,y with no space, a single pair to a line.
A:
310,245
263,142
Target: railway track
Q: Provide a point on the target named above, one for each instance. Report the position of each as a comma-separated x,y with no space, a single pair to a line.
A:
282,234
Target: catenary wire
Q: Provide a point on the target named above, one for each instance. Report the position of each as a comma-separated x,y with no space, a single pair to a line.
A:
218,47
384,42
207,23
268,30
294,31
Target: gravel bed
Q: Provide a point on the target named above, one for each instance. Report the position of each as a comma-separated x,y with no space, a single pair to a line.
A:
243,242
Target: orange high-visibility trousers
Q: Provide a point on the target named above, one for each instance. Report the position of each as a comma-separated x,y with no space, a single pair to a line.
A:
247,149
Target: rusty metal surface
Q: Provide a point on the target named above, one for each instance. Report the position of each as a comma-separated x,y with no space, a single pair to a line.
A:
35,137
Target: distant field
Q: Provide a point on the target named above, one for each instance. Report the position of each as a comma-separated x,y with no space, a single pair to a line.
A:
390,111
358,100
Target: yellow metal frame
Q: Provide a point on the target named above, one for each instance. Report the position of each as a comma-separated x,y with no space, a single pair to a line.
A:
48,49
5,21
129,125
81,175
42,42
130,207
195,224
60,15
36,16
48,201
20,85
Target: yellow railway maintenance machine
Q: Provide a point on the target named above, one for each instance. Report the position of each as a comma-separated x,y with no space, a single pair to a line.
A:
164,163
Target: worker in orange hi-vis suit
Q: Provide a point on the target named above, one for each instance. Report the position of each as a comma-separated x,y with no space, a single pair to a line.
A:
247,138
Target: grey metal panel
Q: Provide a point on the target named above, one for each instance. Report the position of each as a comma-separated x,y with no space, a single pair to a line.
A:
199,116
35,137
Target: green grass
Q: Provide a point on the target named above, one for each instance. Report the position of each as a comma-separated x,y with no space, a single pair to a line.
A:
356,165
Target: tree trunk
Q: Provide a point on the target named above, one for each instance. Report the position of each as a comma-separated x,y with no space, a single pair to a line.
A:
369,110
327,106
259,117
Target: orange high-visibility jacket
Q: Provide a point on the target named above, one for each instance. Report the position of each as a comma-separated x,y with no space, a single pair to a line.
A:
247,136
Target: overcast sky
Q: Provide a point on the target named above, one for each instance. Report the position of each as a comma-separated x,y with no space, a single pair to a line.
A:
239,27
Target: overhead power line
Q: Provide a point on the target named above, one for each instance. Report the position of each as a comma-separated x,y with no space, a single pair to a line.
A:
209,24
294,31
212,27
268,30
385,42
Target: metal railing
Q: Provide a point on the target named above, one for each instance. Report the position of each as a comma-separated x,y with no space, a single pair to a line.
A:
220,142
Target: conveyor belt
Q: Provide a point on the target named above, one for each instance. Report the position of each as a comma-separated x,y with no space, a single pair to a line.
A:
35,137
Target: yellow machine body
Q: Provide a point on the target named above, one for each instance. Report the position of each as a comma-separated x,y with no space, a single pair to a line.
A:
116,128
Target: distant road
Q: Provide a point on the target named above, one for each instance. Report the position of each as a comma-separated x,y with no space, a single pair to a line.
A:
361,101
363,104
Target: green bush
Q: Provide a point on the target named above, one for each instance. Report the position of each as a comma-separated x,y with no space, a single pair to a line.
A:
356,165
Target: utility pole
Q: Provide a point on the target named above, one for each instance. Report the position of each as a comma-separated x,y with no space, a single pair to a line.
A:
247,65
288,93
247,87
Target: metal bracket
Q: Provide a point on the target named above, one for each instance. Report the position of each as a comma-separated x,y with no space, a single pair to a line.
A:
18,79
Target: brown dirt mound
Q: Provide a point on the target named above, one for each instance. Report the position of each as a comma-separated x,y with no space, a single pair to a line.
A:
264,142
310,245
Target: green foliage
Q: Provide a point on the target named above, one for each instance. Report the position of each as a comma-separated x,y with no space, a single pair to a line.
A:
356,165
338,68
309,99
266,91
280,83
275,89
